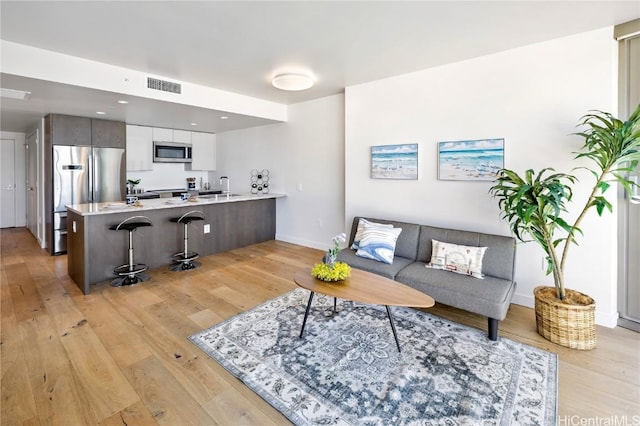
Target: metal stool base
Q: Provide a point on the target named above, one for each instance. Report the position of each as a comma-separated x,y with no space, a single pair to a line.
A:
185,266
129,280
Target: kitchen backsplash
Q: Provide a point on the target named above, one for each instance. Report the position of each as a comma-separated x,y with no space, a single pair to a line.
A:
170,175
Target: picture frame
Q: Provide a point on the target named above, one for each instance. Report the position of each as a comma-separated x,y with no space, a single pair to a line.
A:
395,161
470,160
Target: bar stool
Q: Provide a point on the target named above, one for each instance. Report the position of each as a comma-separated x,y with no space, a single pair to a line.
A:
184,260
130,273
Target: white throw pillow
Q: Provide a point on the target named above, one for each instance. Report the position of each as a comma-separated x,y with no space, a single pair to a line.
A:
378,243
465,260
360,230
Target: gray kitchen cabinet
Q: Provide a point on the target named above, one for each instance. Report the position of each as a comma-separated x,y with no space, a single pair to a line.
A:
108,133
67,130
203,151
94,250
139,148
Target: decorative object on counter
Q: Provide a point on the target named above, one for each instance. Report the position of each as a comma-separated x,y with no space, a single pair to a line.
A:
191,183
204,185
131,186
330,269
259,181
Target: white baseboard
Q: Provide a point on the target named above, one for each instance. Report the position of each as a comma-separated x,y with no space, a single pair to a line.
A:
302,242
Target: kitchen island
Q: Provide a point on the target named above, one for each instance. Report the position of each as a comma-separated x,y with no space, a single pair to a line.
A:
232,221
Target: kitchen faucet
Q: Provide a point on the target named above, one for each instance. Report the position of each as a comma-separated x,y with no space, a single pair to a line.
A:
225,191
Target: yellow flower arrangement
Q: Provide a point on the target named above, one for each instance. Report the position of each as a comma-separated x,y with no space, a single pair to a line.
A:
338,272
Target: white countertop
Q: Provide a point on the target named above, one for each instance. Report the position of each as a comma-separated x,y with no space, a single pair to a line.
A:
163,203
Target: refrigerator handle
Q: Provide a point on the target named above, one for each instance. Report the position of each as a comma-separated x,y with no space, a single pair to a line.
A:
97,196
90,176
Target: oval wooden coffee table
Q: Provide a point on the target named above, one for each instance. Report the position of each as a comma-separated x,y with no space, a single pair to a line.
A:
364,287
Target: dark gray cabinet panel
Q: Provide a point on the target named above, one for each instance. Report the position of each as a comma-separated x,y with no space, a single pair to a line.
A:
108,133
68,130
94,250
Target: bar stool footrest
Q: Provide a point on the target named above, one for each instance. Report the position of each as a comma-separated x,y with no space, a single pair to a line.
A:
181,257
124,270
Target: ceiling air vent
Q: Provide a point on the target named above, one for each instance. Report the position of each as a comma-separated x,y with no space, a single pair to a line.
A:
165,86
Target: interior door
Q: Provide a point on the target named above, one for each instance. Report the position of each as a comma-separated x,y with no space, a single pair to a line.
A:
7,183
630,309
32,183
629,236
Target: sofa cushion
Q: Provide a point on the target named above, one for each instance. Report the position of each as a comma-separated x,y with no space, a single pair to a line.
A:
378,243
466,260
360,230
489,297
498,260
407,244
349,256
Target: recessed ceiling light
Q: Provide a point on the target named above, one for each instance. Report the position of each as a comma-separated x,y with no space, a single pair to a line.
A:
14,94
223,117
100,112
122,101
194,124
292,82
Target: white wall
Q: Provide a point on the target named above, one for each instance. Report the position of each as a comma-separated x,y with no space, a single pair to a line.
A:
305,159
20,177
531,96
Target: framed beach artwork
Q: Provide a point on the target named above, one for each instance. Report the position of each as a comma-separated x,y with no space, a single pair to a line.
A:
474,160
394,161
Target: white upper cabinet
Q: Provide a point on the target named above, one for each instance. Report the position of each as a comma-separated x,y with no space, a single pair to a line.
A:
204,151
139,148
171,135
162,135
182,136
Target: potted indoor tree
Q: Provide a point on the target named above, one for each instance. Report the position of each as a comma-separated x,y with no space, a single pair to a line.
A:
535,205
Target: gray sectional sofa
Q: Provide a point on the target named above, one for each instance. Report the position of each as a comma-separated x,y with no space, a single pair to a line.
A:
489,297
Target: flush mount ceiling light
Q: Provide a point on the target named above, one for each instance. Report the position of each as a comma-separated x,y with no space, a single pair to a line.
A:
14,94
292,82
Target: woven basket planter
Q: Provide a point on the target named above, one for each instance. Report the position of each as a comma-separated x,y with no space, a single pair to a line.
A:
567,324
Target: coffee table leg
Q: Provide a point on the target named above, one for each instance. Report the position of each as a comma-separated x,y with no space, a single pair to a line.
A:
393,327
306,313
334,305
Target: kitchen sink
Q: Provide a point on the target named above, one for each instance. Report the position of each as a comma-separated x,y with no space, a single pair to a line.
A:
220,196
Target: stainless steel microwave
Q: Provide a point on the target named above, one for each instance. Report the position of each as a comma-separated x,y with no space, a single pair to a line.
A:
171,152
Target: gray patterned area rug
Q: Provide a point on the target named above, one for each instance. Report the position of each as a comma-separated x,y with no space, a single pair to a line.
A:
346,370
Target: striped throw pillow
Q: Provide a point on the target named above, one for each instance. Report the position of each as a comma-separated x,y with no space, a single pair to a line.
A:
360,230
378,243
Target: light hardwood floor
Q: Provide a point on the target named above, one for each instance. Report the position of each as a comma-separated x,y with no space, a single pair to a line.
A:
120,356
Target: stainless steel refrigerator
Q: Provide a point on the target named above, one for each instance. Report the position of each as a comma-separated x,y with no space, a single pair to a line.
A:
83,174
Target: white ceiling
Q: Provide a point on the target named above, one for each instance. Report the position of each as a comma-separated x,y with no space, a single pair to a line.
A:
239,46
